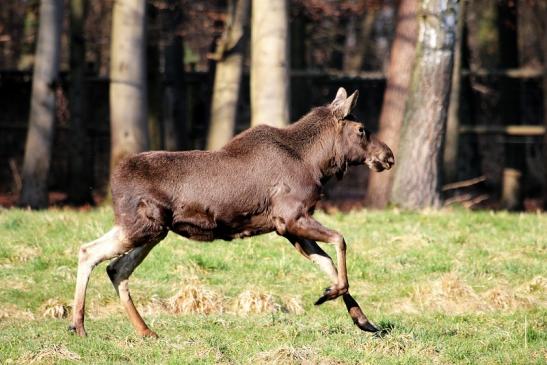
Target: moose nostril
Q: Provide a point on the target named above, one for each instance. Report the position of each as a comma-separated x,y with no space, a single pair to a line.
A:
391,160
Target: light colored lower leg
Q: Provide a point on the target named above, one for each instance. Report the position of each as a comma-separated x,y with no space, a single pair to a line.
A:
90,255
326,265
343,282
119,271
312,251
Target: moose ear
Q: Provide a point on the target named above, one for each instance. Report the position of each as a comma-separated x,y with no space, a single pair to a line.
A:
342,107
341,96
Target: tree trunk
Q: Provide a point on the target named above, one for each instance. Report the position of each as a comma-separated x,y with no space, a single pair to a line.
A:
453,118
482,151
79,191
300,98
418,175
154,77
175,131
229,54
393,107
515,162
544,12
42,110
128,109
269,63
28,44
357,39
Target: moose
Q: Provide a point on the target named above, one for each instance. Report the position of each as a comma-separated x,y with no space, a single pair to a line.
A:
265,179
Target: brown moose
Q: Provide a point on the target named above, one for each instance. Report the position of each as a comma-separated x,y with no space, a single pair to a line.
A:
265,179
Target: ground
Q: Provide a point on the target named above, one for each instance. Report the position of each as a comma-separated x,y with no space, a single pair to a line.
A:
450,287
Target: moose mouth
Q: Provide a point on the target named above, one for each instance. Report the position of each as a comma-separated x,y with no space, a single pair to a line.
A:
380,166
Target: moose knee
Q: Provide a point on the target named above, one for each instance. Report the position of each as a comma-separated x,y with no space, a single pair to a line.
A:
83,255
339,241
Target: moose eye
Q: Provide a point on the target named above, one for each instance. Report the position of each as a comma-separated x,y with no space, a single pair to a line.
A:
361,130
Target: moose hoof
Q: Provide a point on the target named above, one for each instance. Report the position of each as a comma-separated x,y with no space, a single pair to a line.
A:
149,333
78,330
367,326
330,294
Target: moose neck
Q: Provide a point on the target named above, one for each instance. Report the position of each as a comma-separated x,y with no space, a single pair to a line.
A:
314,137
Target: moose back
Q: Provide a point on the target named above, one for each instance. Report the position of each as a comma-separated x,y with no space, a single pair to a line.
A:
265,179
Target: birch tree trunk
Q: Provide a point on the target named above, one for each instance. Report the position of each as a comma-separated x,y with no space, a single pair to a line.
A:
42,109
269,63
395,96
450,160
79,190
418,175
128,109
229,54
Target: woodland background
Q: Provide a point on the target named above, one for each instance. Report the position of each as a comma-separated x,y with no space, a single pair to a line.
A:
499,54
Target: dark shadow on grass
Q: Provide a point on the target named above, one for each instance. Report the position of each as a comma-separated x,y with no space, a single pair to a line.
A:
385,326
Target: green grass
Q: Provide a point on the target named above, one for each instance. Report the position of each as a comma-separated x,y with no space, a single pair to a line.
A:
453,286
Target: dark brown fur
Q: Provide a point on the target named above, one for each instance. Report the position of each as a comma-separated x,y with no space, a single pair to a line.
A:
266,179
260,180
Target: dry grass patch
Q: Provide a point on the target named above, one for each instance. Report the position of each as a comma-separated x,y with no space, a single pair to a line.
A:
251,301
54,308
25,254
293,305
21,284
398,345
537,285
11,311
286,355
51,354
194,298
450,294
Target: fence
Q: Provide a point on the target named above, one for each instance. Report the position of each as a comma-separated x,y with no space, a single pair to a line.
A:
489,127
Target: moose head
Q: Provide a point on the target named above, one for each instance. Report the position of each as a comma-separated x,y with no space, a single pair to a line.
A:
355,143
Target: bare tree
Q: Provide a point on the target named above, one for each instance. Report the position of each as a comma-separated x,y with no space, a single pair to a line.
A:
229,55
393,107
418,177
269,63
128,109
42,109
80,172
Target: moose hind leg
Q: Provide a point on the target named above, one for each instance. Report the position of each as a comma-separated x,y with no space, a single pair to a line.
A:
90,255
119,272
311,250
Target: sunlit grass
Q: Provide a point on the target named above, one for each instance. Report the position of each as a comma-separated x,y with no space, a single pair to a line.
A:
453,286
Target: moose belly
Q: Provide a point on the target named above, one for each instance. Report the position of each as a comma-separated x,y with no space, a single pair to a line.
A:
203,227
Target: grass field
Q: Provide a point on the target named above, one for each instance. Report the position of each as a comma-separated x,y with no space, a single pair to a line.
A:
453,287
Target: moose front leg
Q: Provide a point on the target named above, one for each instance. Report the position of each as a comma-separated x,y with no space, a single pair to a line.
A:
306,227
311,250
